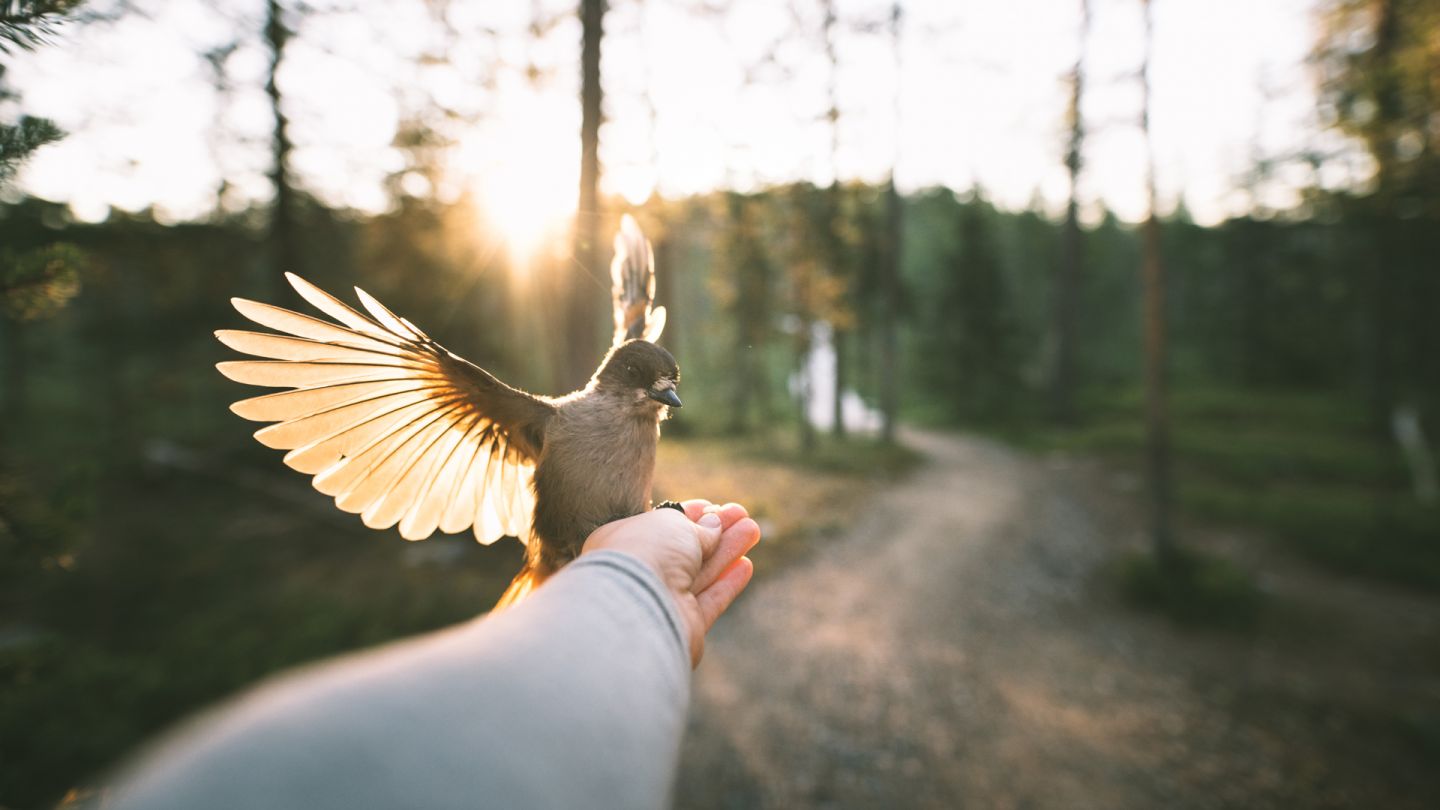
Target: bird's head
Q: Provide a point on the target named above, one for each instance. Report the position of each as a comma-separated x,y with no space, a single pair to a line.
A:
642,371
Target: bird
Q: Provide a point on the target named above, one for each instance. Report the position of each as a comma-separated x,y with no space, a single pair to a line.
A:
401,431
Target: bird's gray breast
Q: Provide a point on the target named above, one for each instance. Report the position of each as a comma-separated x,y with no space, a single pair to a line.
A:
597,465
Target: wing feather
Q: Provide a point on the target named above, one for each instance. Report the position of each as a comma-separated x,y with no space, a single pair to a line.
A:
632,281
283,405
335,308
461,511
388,486
283,347
655,324
390,424
423,517
488,516
300,432
305,326
388,319
326,452
366,446
291,374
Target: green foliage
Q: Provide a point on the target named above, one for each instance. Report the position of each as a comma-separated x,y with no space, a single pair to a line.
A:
1301,468
745,296
19,141
1376,61
1192,589
28,24
969,347
107,549
1348,529
38,283
180,588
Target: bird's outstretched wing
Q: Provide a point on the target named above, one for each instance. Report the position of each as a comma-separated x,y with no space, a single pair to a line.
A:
632,277
392,425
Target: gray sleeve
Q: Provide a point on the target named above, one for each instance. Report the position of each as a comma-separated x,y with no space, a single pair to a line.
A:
576,697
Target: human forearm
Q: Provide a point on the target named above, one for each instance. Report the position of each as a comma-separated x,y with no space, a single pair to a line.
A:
575,697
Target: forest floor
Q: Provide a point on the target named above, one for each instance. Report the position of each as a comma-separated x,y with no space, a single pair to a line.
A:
961,643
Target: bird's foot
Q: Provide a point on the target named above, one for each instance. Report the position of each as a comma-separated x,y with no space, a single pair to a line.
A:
671,505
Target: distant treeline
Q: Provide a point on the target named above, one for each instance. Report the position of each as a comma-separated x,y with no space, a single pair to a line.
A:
1338,302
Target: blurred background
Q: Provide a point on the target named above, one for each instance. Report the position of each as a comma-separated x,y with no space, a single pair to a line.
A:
1078,358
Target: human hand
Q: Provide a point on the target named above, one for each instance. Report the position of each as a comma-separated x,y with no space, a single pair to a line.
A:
700,556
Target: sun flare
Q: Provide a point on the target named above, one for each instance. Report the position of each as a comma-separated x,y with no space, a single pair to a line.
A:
530,202
526,174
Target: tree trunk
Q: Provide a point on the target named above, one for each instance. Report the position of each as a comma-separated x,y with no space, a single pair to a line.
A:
889,287
803,344
1067,288
1384,382
1157,416
840,340
581,329
834,251
284,252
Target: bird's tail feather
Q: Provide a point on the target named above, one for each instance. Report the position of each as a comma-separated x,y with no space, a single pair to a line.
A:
520,587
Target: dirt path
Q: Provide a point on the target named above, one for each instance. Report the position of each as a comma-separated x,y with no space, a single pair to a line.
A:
957,648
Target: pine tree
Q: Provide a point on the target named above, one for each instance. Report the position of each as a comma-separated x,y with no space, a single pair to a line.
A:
34,284
28,24
971,346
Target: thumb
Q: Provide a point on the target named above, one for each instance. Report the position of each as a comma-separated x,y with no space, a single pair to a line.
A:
707,531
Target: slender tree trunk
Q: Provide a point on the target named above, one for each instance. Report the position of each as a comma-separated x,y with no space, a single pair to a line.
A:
835,253
1067,288
581,347
841,340
803,344
889,304
889,313
1157,416
1384,393
285,255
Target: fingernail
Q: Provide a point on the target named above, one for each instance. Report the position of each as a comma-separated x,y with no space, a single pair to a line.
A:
710,521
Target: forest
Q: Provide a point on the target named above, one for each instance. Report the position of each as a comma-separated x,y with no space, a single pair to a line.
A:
1267,375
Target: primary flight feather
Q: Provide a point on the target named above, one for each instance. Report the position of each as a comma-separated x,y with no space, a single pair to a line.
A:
402,432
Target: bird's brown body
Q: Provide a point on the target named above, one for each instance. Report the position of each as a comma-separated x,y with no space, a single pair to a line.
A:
579,483
405,433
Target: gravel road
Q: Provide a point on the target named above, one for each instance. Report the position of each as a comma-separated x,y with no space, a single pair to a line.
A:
957,649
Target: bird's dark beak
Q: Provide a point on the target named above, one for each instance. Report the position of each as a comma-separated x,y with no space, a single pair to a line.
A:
666,395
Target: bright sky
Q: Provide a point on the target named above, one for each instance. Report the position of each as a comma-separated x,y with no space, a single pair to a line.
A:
982,101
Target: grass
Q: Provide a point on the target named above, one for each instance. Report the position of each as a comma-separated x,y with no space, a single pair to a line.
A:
1195,590
795,497
1302,469
132,597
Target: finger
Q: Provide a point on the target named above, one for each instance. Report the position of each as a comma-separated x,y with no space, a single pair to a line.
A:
730,514
733,508
734,543
716,599
696,507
